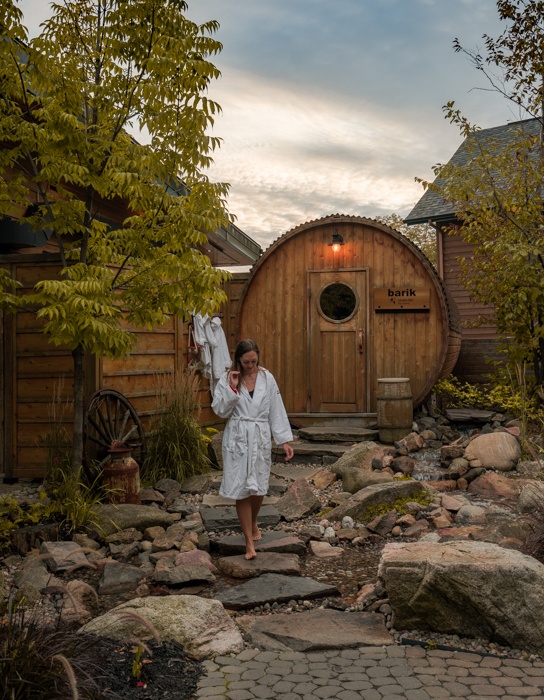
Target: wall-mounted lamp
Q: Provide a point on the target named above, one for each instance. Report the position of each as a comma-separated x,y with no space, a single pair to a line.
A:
336,242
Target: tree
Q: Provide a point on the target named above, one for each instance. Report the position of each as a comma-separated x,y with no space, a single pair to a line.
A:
422,235
498,191
98,68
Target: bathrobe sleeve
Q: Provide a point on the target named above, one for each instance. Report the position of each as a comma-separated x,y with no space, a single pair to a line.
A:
277,418
224,398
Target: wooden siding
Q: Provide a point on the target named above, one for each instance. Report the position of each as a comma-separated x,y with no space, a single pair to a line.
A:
453,248
479,343
34,371
274,307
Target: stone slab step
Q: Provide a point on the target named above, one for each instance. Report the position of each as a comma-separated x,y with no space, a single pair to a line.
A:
337,433
272,588
469,415
214,501
265,563
224,518
292,472
270,542
316,629
312,452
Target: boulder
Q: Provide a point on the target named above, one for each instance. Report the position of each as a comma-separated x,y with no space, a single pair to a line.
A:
119,578
471,515
298,501
492,486
202,626
402,465
412,442
468,588
196,556
354,479
500,451
60,556
325,550
359,456
196,484
113,517
363,504
168,573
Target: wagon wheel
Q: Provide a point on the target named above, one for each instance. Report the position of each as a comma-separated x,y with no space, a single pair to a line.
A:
110,416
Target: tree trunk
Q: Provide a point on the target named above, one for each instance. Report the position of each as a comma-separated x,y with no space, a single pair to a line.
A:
77,440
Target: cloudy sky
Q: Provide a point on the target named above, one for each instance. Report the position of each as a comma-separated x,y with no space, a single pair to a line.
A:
335,106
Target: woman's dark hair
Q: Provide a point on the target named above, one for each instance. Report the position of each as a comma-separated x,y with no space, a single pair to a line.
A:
244,346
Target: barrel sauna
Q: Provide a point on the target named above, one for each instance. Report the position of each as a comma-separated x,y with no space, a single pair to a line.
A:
330,320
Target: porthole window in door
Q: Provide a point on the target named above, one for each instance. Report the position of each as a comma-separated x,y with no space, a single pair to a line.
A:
337,302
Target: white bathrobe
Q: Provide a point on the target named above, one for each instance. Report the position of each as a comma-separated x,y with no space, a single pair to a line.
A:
247,437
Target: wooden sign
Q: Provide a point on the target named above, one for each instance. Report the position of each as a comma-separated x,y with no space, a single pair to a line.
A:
398,300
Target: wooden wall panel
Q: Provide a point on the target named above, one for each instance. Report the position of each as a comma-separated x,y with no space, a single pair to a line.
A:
453,248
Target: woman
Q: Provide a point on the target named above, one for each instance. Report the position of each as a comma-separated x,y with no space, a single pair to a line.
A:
249,398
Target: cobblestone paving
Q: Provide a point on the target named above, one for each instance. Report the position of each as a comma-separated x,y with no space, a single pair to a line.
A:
371,673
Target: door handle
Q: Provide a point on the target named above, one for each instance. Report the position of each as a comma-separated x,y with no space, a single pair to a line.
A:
360,340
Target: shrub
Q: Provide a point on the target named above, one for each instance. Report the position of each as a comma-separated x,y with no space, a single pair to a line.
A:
509,391
177,447
14,515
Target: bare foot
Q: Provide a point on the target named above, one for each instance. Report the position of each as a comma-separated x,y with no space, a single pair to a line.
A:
250,553
256,533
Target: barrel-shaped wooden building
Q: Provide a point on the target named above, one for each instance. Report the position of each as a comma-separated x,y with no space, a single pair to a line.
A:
330,320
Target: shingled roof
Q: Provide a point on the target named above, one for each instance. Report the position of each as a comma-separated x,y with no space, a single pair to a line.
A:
432,207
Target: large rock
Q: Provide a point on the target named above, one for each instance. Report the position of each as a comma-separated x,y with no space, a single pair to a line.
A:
359,456
60,556
355,479
363,505
500,451
202,626
492,486
299,501
119,578
467,588
113,517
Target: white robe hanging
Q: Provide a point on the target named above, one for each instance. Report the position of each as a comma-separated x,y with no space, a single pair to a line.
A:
247,446
205,340
220,352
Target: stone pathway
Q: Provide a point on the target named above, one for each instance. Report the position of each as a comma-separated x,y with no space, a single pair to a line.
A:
370,673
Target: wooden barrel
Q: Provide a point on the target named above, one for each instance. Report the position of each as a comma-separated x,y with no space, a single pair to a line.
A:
394,408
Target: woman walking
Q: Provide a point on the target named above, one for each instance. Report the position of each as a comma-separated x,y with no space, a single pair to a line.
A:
249,398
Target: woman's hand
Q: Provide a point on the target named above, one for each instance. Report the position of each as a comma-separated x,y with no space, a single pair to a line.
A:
289,452
234,378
